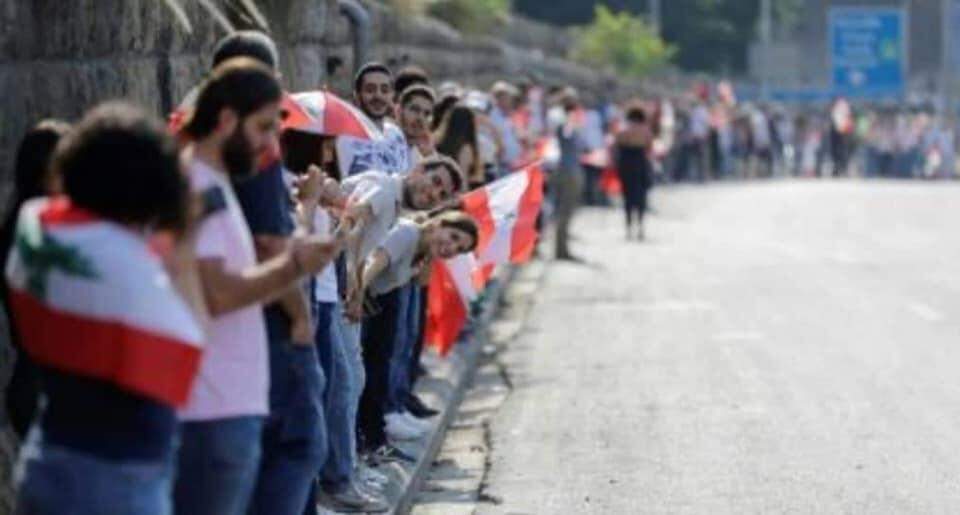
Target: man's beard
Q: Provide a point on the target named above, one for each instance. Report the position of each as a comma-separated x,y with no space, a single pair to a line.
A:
368,110
237,155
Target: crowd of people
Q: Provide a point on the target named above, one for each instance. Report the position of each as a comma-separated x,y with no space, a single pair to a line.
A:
708,135
224,314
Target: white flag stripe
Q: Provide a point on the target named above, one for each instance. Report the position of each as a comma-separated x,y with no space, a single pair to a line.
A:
503,197
117,256
461,271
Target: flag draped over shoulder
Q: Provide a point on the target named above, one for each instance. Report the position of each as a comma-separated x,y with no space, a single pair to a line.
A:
506,212
90,298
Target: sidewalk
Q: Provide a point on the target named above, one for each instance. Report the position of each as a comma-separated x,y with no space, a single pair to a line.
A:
443,389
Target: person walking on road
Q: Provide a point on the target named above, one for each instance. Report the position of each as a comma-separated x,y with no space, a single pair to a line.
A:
633,166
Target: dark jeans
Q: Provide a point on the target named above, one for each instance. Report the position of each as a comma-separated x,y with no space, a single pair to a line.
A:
294,436
379,337
413,368
58,480
408,328
217,466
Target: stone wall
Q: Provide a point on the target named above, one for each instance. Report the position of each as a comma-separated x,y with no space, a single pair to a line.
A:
58,58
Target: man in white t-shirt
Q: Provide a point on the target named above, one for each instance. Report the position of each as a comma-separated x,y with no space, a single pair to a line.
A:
414,114
235,119
374,203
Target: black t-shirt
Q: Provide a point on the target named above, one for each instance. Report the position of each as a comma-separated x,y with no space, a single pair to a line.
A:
98,418
268,207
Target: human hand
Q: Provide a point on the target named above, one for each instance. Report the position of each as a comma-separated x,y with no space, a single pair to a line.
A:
301,331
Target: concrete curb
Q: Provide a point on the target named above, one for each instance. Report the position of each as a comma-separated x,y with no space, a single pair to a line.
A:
458,372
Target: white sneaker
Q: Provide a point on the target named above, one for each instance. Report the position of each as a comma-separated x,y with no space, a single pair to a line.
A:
408,417
368,474
399,429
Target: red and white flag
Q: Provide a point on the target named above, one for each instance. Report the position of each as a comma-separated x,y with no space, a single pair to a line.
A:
449,296
90,298
506,212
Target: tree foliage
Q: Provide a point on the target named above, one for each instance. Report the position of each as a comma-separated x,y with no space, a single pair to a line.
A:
710,35
621,42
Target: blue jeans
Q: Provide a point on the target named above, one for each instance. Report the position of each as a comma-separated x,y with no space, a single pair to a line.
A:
55,480
295,434
408,329
350,336
217,466
341,427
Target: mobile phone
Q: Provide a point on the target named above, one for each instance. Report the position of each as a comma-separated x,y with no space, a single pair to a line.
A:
213,200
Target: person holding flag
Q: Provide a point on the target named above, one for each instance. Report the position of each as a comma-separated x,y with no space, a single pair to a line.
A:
386,273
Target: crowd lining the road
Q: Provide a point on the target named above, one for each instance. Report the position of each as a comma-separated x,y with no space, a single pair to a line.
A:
225,314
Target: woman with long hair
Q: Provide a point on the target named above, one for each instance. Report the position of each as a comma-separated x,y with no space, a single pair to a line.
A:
32,178
457,139
631,153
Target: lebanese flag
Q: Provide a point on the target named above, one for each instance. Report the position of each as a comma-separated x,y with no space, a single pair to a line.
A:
449,295
90,298
506,213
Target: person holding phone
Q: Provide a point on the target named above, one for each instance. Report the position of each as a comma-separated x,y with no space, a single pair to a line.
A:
235,119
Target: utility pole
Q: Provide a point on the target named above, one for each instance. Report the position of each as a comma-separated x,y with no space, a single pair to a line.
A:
653,7
766,29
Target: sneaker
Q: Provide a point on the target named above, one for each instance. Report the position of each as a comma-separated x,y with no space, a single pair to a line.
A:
368,474
417,407
369,488
413,421
398,428
352,500
389,453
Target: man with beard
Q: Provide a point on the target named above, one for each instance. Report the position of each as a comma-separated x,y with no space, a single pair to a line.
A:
294,441
235,119
402,408
374,201
374,94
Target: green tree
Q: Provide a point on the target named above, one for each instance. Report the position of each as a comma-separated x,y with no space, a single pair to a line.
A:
711,35
622,42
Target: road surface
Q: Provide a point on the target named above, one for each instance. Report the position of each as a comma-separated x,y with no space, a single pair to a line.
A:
782,347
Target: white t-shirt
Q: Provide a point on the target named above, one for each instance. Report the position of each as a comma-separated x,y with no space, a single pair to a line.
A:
325,289
400,246
234,376
384,193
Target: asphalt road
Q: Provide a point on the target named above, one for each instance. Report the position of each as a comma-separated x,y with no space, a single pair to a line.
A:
782,347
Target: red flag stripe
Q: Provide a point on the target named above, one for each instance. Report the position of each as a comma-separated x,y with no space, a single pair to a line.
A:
155,366
61,211
446,313
524,237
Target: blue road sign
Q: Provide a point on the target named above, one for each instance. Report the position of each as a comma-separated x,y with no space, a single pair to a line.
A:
868,51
